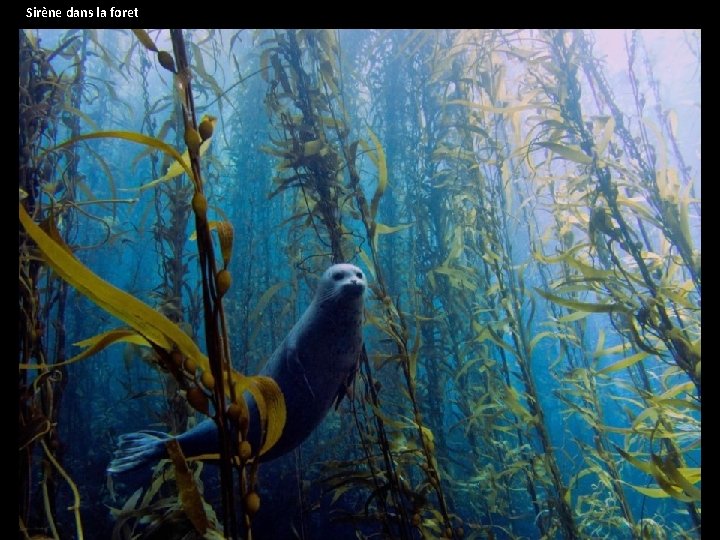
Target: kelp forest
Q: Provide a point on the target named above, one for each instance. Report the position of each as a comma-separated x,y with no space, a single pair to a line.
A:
525,206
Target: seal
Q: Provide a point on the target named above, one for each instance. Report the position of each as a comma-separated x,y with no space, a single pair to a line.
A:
314,367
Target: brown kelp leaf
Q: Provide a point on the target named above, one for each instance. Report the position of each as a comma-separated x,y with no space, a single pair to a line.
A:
145,39
192,501
226,234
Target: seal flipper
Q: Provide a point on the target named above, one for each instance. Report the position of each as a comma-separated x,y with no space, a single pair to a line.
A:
137,450
347,388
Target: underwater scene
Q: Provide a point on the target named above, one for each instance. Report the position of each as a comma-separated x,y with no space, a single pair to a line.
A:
359,284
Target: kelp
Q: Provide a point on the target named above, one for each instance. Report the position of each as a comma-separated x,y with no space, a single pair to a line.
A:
533,346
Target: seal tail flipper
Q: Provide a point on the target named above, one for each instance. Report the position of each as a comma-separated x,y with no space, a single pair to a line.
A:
138,449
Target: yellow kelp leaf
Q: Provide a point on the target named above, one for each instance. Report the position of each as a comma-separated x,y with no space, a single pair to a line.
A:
606,136
226,234
495,110
380,228
644,466
49,227
677,389
670,478
512,400
568,152
152,325
546,334
568,493
316,146
574,316
177,167
655,493
675,404
684,214
615,349
581,306
650,413
382,174
137,138
212,225
270,404
145,39
626,362
77,112
640,206
192,501
265,299
691,473
96,344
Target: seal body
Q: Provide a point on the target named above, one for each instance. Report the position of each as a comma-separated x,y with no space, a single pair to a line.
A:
313,366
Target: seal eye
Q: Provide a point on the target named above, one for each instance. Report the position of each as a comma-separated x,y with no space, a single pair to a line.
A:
337,276
359,275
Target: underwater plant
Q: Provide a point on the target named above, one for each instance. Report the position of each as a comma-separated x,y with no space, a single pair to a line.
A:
526,208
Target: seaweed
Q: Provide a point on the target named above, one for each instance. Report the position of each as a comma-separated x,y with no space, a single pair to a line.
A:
528,220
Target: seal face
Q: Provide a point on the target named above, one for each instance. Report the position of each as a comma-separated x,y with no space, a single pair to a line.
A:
314,366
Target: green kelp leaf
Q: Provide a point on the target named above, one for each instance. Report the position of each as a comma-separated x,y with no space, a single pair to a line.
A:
536,339
624,363
77,112
202,72
582,306
192,501
96,344
265,299
145,39
136,138
381,228
382,174
568,152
